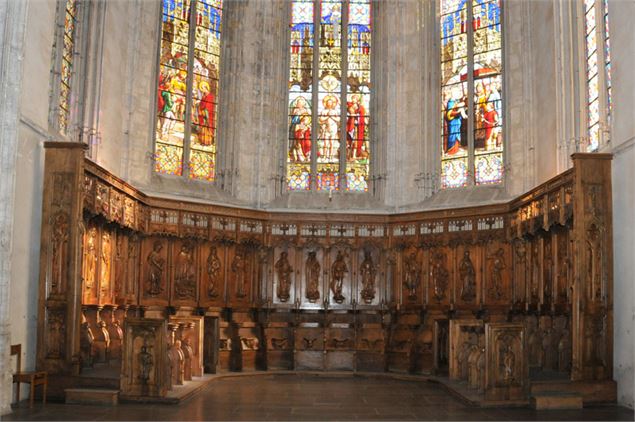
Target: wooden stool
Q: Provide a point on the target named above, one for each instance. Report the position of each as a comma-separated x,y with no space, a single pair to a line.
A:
34,378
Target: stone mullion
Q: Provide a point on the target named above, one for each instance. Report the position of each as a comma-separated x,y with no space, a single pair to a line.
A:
343,92
317,15
471,174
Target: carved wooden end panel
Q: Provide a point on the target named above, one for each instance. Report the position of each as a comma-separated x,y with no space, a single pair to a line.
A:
60,264
506,366
144,371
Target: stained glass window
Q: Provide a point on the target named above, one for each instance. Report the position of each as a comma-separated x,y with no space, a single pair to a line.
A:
187,94
598,69
68,44
471,92
329,95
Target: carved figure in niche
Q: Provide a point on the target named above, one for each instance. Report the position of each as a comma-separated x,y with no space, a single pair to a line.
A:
157,264
238,268
133,253
439,275
468,278
312,278
184,277
496,271
213,272
338,272
564,265
120,268
90,259
411,275
284,271
535,279
367,273
56,330
594,256
547,273
508,362
105,265
521,272
59,252
146,362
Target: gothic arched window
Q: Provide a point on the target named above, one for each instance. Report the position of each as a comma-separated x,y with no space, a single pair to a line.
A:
598,72
329,95
471,92
70,24
187,93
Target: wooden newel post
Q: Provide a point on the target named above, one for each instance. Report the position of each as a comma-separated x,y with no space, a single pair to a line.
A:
592,313
60,283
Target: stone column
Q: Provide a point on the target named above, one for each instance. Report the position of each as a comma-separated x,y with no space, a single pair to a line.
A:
13,22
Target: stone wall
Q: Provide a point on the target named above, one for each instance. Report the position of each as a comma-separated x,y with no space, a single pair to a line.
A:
623,148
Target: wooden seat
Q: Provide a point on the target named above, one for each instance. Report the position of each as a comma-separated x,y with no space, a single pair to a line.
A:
34,378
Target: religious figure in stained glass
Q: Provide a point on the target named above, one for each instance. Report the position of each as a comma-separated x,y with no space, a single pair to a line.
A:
187,121
480,73
315,145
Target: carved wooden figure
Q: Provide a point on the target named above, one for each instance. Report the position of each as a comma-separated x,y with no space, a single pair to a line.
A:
496,268
156,274
312,267
213,268
411,276
439,276
338,272
185,273
367,272
283,271
467,275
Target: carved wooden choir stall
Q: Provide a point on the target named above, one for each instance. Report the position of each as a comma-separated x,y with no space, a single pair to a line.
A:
493,299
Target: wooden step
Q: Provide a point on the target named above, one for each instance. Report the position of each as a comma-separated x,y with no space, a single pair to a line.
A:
556,400
92,396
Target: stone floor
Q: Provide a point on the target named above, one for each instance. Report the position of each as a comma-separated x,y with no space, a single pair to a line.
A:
306,397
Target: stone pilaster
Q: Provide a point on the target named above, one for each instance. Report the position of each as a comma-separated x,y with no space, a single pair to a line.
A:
13,22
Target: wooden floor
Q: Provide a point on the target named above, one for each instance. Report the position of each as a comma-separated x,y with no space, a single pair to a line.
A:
308,397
